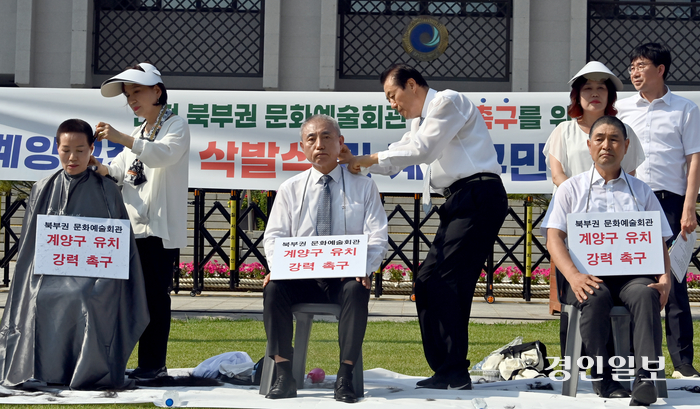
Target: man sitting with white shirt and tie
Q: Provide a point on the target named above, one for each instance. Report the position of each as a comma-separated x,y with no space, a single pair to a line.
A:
606,188
324,200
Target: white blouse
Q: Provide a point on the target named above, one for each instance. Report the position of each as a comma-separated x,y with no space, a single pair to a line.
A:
567,143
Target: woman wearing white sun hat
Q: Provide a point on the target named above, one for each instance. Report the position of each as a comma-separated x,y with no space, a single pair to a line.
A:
153,170
593,94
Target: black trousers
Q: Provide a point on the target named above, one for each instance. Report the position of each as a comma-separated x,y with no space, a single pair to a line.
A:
644,306
679,320
280,295
469,223
157,263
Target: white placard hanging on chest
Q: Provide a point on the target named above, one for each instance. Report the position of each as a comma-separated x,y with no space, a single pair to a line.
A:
82,246
617,243
319,257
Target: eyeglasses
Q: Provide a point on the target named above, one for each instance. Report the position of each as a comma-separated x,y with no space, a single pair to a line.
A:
640,66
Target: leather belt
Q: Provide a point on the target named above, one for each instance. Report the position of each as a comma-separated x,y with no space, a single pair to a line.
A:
460,184
665,194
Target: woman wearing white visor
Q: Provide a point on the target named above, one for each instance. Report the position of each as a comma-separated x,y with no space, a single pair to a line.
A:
593,94
153,170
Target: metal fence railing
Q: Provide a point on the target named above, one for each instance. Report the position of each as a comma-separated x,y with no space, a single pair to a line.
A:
244,244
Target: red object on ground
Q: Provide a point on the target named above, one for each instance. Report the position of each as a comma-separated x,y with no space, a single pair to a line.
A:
316,375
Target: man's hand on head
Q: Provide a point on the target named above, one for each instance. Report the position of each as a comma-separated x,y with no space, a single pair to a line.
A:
345,155
356,164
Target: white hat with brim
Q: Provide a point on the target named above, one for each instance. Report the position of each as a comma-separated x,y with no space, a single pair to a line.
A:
149,76
597,71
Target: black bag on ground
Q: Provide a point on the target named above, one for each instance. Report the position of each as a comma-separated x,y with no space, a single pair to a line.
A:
518,359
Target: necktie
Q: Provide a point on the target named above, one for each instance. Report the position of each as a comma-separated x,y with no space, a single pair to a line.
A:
426,200
323,212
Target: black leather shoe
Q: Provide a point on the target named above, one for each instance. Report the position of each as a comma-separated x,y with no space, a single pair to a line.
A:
643,392
284,387
432,383
461,383
145,374
425,381
344,392
609,388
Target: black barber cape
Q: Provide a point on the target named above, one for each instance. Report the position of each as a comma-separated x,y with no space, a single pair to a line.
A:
76,331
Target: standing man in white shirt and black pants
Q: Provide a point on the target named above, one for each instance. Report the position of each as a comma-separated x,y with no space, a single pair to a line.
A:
448,133
668,126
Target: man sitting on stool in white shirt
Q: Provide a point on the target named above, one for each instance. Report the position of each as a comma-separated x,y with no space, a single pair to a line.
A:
606,188
302,208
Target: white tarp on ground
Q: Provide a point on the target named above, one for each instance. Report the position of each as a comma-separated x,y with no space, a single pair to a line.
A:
383,389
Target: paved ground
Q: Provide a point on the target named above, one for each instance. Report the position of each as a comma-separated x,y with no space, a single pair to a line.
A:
388,307
220,304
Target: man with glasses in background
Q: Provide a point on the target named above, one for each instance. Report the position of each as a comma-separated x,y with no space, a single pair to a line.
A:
668,126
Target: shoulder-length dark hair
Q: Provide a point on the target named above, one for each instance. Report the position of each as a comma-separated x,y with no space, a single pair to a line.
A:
576,111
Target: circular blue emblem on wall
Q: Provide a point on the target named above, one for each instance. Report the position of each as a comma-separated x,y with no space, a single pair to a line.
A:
425,38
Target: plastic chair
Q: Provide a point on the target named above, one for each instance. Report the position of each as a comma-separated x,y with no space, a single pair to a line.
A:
620,319
304,315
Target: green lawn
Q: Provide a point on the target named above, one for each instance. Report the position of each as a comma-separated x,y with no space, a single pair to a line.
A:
391,345
394,346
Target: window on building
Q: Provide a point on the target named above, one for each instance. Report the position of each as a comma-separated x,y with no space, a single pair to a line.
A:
615,27
371,36
182,37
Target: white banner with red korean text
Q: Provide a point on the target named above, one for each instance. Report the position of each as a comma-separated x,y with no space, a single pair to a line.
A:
82,247
250,139
319,257
618,243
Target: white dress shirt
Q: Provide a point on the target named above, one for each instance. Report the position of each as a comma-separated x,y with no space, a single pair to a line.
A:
567,143
453,139
614,196
356,208
669,129
158,207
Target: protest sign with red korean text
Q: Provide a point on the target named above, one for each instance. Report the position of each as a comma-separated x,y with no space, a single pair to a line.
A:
82,246
619,243
319,257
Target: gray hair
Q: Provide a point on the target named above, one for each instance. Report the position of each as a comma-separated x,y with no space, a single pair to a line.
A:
320,117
